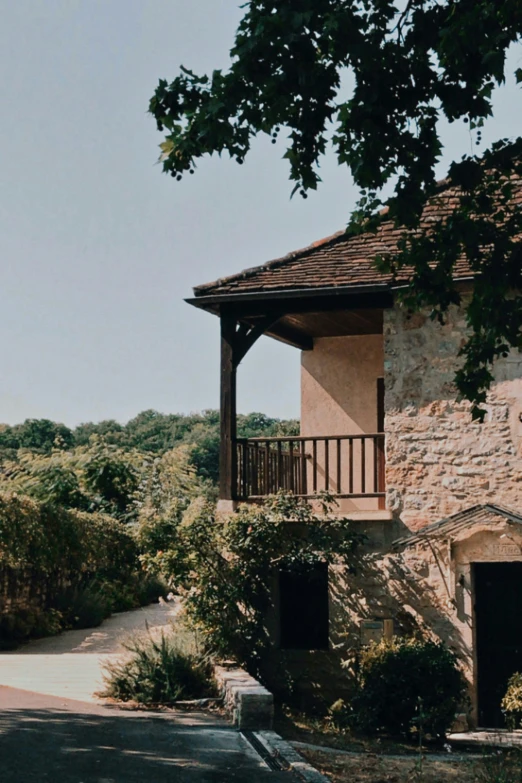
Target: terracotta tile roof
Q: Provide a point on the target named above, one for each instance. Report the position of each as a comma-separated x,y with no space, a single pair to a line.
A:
451,527
338,260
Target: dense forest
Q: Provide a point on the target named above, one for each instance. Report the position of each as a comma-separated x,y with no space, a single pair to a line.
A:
149,432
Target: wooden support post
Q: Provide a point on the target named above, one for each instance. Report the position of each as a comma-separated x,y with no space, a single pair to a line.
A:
236,340
228,456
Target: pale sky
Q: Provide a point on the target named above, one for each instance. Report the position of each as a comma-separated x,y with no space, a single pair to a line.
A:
99,248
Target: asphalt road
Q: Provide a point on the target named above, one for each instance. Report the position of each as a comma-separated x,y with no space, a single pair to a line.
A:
47,738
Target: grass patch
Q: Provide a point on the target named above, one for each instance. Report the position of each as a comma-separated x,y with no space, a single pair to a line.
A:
158,671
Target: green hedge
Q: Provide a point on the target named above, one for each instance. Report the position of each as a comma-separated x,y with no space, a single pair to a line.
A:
64,568
49,539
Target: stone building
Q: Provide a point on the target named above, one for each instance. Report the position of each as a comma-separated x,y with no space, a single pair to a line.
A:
439,496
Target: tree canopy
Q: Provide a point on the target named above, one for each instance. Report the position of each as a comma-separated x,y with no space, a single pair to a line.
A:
370,80
107,452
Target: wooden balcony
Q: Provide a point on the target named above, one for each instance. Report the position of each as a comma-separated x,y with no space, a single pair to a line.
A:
346,466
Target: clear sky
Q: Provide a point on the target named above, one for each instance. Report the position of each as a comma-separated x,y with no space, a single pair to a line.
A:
99,248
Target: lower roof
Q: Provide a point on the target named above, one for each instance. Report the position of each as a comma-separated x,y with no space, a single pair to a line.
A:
451,527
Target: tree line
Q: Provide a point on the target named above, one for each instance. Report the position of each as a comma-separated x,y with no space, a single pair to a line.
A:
150,431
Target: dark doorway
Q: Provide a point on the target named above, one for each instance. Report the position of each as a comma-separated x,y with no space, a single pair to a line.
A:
303,608
498,635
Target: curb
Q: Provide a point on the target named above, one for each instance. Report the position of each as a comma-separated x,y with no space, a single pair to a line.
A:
288,757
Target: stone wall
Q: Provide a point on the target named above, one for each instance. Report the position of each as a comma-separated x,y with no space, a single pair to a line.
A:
437,460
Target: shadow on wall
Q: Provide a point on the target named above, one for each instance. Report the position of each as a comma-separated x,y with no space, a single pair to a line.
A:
438,461
374,587
389,587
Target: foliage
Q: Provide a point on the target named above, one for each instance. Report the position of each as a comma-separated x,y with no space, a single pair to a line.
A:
225,569
95,478
17,626
74,568
501,766
51,540
405,686
111,452
512,702
39,435
111,477
157,672
372,79
82,606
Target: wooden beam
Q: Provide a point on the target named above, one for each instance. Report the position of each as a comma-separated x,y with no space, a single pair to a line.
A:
308,304
227,455
285,333
236,340
247,335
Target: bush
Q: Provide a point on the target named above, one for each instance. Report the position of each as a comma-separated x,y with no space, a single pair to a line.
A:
158,672
501,766
405,685
512,702
83,566
225,570
17,627
52,541
83,607
139,589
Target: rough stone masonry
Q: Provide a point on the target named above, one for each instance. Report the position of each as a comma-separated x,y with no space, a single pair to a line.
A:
438,461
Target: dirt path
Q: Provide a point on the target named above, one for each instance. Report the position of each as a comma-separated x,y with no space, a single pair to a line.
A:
69,665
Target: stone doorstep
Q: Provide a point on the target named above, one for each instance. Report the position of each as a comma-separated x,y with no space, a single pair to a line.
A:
492,737
250,704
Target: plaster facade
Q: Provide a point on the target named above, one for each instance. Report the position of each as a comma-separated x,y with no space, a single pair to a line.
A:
339,397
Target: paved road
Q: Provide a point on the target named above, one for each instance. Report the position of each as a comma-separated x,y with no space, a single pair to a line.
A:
44,738
53,729
70,665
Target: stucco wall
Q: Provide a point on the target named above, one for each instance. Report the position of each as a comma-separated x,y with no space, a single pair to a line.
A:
339,397
437,460
339,385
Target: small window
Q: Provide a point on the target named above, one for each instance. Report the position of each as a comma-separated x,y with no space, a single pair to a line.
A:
303,608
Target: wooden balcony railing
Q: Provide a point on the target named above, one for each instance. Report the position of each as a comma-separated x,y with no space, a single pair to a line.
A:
347,466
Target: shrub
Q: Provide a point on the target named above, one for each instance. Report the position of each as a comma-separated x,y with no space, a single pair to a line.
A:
62,559
83,607
225,570
138,589
405,685
512,702
501,766
157,672
23,624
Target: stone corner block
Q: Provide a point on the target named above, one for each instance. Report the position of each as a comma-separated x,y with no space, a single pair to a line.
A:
249,703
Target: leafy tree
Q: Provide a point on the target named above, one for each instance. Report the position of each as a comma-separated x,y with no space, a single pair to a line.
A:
111,477
109,429
154,432
94,478
225,570
371,79
38,435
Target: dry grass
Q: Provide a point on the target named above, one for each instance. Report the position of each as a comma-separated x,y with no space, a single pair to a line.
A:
368,768
382,760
